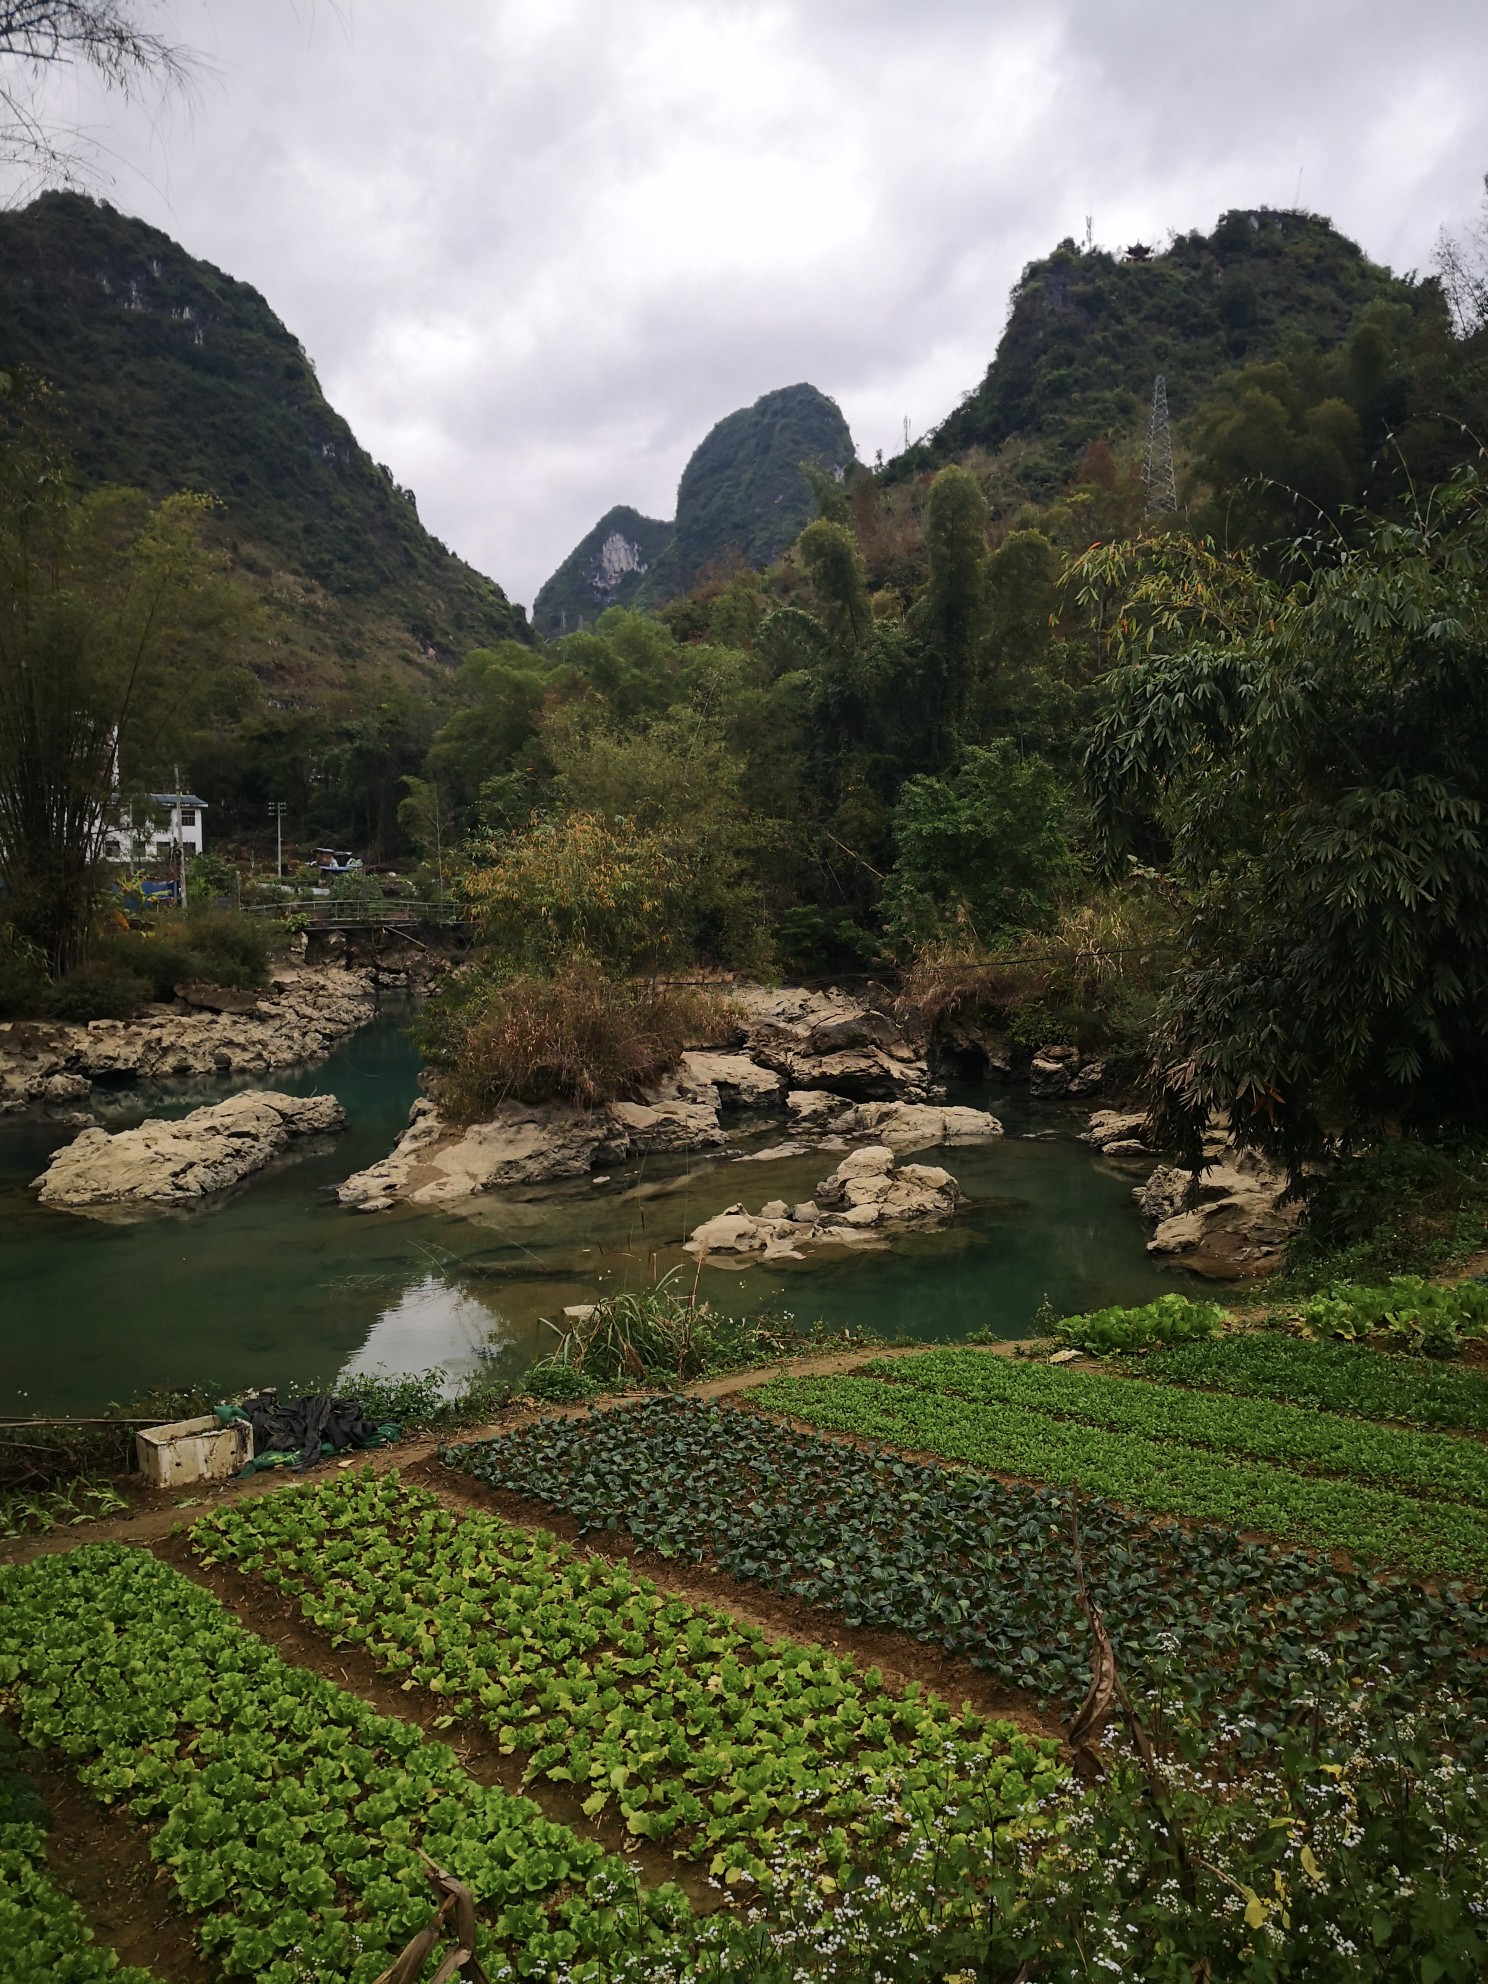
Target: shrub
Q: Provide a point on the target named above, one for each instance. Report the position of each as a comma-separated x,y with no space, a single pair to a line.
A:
1402,1206
560,1384
1413,1314
104,989
577,884
985,850
25,990
1170,1319
580,1037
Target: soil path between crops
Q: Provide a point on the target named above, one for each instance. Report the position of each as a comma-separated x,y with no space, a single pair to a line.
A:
100,1856
156,1513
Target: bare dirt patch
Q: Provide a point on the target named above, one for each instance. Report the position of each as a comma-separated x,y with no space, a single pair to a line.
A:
101,1855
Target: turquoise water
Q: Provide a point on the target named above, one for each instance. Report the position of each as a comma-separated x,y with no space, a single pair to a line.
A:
279,1285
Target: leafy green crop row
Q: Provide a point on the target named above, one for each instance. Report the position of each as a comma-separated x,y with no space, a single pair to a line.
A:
1433,1465
1423,1316
983,1568
694,1729
291,1816
43,1937
1161,1475
1336,1377
1168,1319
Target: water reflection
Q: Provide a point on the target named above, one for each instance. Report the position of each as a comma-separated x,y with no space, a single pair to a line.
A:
280,1285
432,1323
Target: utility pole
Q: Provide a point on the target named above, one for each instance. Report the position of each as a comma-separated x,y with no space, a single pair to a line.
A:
276,814
1157,470
180,839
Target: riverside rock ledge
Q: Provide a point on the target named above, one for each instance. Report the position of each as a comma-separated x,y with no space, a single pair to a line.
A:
162,1164
298,1016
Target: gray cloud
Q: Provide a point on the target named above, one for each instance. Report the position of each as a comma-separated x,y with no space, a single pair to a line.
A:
536,247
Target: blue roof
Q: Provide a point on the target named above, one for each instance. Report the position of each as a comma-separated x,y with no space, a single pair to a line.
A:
170,798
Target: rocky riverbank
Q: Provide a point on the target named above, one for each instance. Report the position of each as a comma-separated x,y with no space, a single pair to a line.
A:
299,1015
161,1164
829,1068
1230,1220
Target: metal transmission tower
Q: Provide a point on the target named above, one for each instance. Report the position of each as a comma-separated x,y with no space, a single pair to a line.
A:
1157,470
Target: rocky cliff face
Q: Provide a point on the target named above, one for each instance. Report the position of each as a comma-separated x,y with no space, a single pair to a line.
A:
606,568
742,495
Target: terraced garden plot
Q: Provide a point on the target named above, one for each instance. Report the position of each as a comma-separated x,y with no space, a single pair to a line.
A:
289,1814
984,1568
1329,1376
1432,1465
1176,1455
694,1729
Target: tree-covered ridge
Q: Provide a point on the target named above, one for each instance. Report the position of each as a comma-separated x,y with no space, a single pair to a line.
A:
742,499
165,374
1089,329
742,493
606,568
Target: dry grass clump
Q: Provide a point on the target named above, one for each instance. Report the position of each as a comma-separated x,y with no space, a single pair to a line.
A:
578,1037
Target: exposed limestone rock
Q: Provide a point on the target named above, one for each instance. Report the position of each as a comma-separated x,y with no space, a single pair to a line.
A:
1118,1133
1165,1193
731,1079
914,1125
1053,1070
434,1162
176,1163
906,1125
867,1193
664,1125
826,1040
299,1016
1228,1221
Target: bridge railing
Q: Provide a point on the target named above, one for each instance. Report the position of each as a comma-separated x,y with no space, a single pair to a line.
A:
324,913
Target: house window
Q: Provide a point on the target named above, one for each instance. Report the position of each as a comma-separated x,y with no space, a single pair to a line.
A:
162,847
188,818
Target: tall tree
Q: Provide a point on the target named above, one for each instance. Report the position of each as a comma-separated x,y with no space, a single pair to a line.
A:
950,618
110,611
1314,755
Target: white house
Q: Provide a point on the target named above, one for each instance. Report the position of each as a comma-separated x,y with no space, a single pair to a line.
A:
173,820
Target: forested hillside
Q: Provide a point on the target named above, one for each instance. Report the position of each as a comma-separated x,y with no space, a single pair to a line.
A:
165,374
742,499
1088,330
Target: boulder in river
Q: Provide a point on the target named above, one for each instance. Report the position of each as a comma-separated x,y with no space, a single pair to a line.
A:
179,1163
869,1192
1229,1221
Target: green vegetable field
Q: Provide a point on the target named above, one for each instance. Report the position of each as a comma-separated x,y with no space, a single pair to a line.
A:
691,1728
1413,1499
981,1567
289,1816
1333,1377
1314,1725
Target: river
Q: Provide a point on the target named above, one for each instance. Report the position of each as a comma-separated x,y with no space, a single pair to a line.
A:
281,1286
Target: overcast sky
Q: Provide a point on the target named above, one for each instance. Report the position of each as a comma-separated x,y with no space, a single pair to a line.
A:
537,247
